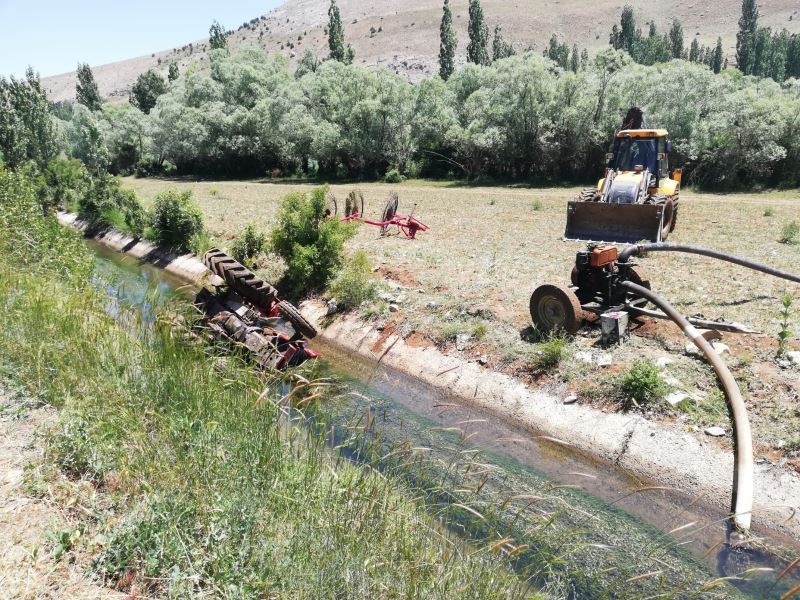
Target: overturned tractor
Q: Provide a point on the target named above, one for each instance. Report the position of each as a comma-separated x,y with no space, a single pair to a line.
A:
637,199
247,310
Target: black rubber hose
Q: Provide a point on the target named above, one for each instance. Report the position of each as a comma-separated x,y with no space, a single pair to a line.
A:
640,249
742,501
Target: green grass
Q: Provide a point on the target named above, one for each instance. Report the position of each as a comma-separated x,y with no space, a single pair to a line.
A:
212,493
208,489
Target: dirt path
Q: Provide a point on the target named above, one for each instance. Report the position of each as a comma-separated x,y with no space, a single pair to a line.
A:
27,567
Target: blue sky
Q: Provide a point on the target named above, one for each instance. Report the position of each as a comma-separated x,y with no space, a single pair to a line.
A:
54,36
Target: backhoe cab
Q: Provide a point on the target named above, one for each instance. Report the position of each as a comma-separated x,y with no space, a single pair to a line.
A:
637,200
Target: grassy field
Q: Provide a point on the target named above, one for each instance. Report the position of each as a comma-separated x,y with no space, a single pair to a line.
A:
489,247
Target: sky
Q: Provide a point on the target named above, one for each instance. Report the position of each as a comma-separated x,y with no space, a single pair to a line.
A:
53,36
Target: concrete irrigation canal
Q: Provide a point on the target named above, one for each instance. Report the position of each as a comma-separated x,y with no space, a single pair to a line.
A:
611,534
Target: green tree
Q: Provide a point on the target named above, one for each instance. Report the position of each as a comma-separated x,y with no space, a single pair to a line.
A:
558,52
173,73
746,37
761,52
716,63
575,59
478,47
148,87
86,88
217,37
308,63
676,39
627,29
340,52
447,43
793,57
26,125
584,59
694,51
500,48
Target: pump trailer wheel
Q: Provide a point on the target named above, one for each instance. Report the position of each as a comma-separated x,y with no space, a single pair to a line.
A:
555,307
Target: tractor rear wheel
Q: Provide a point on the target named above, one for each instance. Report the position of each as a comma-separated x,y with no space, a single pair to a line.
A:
301,325
241,279
555,307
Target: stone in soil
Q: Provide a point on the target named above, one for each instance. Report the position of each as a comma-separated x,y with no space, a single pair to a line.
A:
715,431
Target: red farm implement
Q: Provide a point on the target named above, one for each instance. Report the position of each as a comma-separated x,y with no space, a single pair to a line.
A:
390,218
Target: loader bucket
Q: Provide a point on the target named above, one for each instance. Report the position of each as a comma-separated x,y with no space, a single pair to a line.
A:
615,223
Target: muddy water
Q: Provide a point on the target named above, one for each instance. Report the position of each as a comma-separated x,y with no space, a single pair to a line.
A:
621,527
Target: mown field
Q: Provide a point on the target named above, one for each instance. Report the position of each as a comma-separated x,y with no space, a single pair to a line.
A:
489,247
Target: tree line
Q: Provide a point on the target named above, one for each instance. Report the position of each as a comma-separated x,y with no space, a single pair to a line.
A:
520,116
759,50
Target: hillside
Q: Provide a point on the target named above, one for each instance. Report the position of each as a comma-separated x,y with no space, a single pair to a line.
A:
404,36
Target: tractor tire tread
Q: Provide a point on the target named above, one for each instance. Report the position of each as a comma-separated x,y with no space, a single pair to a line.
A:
301,325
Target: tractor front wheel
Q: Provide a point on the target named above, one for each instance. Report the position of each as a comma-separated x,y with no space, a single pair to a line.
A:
555,307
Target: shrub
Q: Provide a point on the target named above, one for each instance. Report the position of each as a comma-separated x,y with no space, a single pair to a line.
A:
355,283
642,384
67,181
175,219
551,351
311,245
248,245
133,213
790,234
393,176
536,205
769,212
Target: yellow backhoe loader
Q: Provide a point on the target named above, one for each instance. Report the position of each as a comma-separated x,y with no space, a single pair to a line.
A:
637,200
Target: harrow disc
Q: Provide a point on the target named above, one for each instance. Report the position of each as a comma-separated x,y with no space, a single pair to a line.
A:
354,204
331,207
389,211
555,307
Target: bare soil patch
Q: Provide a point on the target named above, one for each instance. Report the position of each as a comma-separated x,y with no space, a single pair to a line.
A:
28,568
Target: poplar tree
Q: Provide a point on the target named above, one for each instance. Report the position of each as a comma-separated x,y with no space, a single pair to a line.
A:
694,51
575,60
447,44
477,50
86,88
500,48
746,38
716,63
676,39
627,29
339,52
173,73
